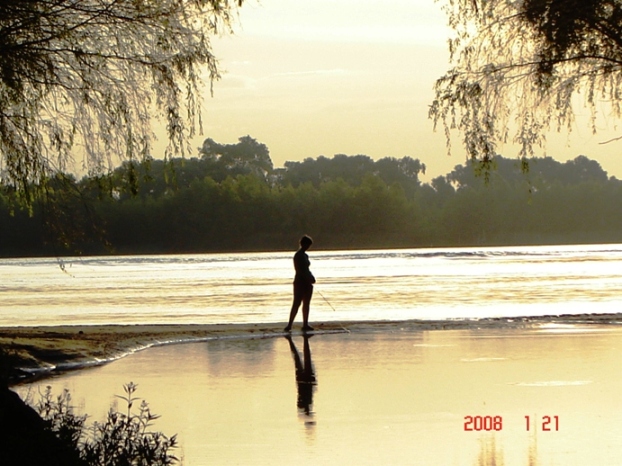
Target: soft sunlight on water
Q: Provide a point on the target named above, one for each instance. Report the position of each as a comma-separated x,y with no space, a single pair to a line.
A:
378,398
360,285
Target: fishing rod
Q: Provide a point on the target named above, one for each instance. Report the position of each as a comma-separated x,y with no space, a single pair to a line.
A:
331,306
327,301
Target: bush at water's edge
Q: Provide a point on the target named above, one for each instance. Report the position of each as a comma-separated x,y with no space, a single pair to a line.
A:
24,438
50,434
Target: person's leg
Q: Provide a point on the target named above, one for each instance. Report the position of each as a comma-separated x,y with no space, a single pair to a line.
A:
306,308
298,298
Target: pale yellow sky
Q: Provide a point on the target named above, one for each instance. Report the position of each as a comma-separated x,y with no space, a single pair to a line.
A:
348,76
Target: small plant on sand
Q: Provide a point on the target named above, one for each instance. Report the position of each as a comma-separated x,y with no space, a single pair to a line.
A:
122,440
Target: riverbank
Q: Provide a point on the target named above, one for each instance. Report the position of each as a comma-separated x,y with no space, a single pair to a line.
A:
413,390
40,350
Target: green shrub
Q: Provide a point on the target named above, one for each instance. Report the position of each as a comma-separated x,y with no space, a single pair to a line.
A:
123,439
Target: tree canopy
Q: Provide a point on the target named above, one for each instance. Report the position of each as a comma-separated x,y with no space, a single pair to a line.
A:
89,74
353,170
519,67
247,156
218,202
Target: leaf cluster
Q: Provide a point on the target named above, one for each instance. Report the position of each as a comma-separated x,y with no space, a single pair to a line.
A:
124,439
87,76
60,418
519,66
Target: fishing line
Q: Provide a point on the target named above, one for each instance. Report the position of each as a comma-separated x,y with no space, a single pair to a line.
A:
331,306
327,301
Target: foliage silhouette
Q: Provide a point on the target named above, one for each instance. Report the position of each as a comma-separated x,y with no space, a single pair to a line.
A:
123,439
201,205
91,74
520,66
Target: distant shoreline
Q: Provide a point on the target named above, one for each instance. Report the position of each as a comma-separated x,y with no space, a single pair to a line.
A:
554,240
42,350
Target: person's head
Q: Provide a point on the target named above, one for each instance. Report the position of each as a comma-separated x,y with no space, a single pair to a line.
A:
306,242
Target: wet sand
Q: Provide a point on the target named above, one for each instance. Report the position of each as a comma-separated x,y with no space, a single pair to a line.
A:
57,348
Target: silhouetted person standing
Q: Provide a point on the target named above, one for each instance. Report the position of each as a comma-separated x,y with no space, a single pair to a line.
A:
303,285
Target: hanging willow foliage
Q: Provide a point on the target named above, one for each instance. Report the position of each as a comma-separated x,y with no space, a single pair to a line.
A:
86,77
518,66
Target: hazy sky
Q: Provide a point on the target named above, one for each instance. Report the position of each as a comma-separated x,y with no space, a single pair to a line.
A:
348,76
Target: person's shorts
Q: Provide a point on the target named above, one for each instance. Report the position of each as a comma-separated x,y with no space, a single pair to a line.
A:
303,289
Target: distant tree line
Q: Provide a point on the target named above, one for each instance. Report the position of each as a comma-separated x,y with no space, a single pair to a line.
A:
231,198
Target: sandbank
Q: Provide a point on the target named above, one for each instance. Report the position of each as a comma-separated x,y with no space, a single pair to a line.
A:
43,349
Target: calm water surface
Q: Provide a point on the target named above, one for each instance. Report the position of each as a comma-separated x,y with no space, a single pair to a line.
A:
372,398
360,285
379,398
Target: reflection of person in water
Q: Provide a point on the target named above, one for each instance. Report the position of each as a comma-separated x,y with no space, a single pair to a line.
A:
305,375
303,285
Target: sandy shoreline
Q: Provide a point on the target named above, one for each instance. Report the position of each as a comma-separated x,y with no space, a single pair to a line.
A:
43,349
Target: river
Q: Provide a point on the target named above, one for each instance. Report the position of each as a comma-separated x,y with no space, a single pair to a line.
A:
352,285
537,396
